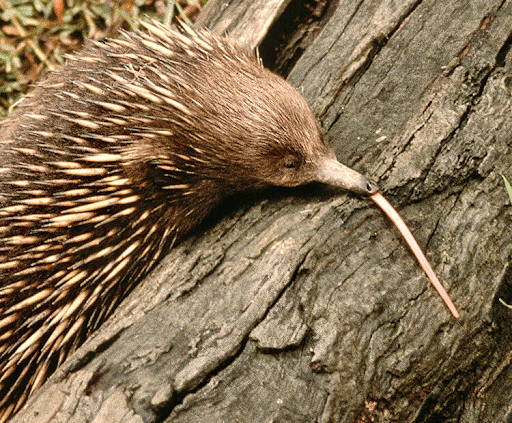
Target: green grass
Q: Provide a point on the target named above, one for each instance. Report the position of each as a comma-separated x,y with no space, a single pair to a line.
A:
509,191
508,188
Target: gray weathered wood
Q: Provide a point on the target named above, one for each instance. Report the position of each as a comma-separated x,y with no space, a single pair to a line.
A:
308,306
246,20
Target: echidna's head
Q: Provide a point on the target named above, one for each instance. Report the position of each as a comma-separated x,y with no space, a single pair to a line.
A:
272,135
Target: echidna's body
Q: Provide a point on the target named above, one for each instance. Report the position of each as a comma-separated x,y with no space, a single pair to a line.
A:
111,159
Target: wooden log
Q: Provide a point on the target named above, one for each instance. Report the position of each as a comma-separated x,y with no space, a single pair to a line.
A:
305,305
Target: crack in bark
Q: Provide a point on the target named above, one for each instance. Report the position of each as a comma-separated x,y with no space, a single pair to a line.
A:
362,57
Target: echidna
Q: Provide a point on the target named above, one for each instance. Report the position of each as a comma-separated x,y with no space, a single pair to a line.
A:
117,155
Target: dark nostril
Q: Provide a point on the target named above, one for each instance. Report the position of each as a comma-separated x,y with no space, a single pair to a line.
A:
372,187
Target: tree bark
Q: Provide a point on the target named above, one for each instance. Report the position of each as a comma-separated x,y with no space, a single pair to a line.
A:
306,305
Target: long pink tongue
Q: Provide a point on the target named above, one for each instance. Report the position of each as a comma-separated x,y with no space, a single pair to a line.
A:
406,233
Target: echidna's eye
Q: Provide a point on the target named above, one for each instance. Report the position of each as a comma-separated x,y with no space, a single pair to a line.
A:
291,162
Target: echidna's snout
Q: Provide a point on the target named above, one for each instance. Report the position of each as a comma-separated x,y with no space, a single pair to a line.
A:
332,172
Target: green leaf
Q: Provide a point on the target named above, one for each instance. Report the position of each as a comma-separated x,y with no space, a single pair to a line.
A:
508,187
505,304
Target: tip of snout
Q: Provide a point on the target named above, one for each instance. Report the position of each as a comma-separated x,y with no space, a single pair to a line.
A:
371,187
335,174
